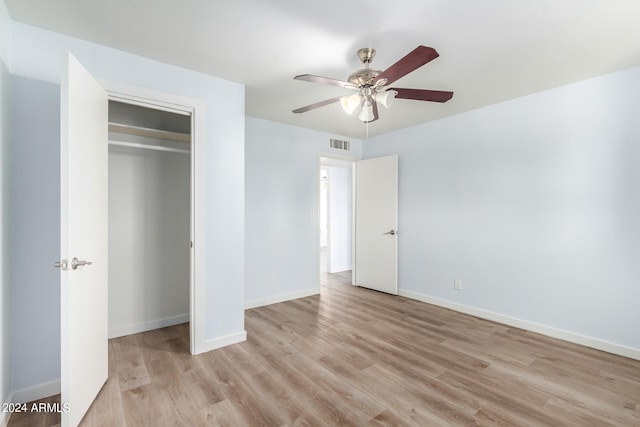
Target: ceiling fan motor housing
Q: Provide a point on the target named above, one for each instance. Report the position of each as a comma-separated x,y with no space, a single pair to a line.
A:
366,76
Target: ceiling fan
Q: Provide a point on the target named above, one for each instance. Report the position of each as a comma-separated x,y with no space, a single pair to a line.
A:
371,84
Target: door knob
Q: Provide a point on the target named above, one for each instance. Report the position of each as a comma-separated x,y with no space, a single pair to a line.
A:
392,232
75,263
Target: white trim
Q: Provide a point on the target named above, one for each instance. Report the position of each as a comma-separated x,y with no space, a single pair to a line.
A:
198,279
6,416
121,95
144,97
148,325
328,206
36,392
609,347
215,343
281,298
196,108
334,159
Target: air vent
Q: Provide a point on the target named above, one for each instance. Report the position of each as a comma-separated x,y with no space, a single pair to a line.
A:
339,145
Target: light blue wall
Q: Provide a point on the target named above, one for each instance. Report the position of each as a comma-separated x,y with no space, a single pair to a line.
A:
533,204
34,236
281,197
36,57
5,121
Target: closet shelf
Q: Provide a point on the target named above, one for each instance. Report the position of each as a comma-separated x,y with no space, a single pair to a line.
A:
148,132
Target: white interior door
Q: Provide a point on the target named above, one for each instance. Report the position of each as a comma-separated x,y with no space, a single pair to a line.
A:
376,222
84,293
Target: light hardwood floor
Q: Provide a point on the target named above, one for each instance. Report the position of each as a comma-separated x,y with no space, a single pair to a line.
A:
357,357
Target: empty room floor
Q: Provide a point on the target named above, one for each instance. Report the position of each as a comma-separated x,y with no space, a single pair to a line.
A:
357,357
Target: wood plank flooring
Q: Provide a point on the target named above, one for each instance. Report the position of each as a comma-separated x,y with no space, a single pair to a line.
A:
354,357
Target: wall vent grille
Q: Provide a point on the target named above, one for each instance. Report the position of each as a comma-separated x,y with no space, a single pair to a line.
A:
339,145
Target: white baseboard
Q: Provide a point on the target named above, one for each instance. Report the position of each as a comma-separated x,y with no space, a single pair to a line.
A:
609,347
36,392
281,298
224,341
340,269
136,328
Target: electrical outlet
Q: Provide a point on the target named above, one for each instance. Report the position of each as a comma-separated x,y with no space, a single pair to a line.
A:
271,280
457,284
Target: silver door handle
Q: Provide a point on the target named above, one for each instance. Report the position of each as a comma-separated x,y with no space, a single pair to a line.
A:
75,263
392,232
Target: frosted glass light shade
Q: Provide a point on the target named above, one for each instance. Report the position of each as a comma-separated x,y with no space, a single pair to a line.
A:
386,98
350,103
366,114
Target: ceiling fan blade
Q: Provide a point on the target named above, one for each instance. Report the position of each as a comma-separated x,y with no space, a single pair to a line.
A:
410,62
324,80
423,94
317,105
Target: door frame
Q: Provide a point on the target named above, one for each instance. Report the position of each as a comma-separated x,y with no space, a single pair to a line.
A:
148,98
341,159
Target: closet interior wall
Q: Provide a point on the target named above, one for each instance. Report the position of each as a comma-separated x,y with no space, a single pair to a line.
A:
149,218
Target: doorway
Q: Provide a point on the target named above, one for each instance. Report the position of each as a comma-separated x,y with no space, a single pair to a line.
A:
195,110
149,217
335,220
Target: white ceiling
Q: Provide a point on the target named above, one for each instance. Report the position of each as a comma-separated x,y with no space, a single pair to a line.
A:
490,50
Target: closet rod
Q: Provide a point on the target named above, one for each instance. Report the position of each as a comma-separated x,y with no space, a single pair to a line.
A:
149,147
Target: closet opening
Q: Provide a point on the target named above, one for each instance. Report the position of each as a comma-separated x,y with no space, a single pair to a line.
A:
150,217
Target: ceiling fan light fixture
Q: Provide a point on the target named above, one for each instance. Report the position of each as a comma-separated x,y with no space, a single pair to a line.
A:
350,103
386,98
366,114
371,83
